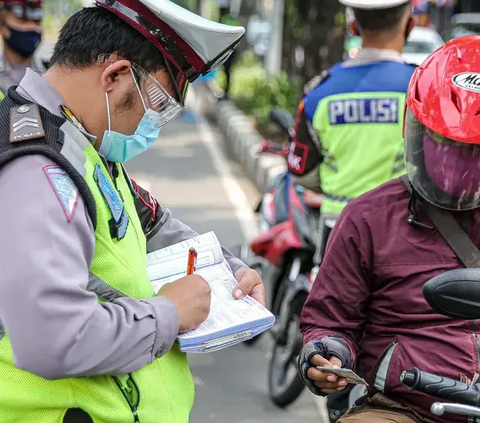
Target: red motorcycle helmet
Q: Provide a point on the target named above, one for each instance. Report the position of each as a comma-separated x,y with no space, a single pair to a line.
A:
442,126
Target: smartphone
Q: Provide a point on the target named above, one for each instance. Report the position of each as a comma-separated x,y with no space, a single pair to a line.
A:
347,374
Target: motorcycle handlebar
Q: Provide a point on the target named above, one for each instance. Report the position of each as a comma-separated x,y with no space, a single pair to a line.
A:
441,387
273,148
439,409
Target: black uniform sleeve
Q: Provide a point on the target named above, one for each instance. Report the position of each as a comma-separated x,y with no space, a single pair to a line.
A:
148,210
305,155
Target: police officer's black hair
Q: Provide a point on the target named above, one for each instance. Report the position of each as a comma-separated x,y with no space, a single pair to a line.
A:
381,20
94,31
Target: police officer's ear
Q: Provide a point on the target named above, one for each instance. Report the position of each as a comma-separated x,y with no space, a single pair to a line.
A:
114,73
411,23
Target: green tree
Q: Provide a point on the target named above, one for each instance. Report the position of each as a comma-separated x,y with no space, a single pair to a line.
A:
316,28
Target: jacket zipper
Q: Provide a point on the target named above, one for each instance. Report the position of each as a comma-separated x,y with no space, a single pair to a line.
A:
477,342
115,175
133,408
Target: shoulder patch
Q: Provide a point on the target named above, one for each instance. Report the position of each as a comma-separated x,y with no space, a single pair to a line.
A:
65,190
316,81
26,123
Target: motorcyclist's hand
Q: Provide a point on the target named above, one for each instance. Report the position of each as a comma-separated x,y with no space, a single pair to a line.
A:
191,297
327,382
249,283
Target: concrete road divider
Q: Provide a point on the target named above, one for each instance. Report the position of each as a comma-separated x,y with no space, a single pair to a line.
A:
241,137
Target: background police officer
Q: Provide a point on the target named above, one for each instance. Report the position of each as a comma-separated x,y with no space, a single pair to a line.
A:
349,123
83,336
21,30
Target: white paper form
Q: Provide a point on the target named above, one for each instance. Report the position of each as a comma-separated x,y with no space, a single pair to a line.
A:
226,313
171,262
230,321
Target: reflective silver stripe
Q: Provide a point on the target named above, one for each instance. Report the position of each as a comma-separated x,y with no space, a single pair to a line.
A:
337,199
381,376
74,144
103,289
331,166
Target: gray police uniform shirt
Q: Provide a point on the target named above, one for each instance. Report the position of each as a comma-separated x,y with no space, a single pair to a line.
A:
56,327
12,75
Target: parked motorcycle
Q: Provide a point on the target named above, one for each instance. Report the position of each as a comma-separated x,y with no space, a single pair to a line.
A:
455,294
286,254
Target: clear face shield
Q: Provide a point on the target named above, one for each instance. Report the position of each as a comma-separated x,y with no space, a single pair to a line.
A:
443,171
157,102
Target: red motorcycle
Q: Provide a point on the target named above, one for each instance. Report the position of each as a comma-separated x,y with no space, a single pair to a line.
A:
283,254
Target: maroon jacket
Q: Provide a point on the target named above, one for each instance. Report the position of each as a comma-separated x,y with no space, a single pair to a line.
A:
369,291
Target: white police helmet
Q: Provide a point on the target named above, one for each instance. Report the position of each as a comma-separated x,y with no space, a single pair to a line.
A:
194,45
373,4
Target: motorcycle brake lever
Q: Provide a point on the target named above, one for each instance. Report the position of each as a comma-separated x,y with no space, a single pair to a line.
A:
439,409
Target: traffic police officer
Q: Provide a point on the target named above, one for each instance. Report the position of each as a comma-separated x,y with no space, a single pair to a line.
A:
349,123
84,338
20,27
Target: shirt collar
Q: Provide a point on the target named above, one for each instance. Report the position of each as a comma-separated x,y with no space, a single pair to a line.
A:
37,89
370,55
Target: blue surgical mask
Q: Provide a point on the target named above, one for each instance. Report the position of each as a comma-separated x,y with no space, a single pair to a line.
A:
24,42
120,148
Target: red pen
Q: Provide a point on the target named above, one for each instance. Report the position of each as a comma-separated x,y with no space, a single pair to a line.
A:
192,261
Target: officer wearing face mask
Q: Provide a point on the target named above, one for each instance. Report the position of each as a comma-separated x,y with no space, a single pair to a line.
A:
84,338
20,27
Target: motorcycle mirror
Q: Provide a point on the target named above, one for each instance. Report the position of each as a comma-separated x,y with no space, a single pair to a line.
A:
455,294
282,118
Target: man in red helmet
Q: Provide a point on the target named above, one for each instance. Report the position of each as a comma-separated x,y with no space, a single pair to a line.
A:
21,31
366,307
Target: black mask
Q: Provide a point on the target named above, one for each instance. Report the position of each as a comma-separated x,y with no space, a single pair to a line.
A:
24,42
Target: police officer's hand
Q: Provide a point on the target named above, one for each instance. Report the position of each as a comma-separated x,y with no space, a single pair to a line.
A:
327,382
191,297
249,283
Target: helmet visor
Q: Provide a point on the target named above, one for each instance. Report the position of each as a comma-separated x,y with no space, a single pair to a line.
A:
443,171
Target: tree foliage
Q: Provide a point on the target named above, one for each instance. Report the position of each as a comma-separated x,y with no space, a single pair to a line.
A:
316,29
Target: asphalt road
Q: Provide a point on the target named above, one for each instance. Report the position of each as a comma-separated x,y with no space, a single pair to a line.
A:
183,171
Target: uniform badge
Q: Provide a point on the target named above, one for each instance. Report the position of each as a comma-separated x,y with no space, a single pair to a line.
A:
26,123
65,190
120,219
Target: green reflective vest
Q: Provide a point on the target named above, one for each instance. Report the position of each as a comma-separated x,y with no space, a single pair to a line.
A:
358,114
162,391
